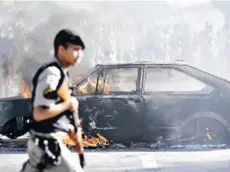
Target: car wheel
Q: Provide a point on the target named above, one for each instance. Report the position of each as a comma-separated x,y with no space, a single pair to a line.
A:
204,130
14,128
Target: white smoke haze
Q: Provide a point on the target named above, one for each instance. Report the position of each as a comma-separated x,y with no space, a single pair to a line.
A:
113,32
186,3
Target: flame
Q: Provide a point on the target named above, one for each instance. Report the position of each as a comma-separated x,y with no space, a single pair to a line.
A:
25,90
83,90
208,134
90,87
89,141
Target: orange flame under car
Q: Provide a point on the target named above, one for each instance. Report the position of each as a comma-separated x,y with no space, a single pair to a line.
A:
89,141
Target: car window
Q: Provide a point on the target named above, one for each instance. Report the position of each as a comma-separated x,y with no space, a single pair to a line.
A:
88,85
119,80
168,79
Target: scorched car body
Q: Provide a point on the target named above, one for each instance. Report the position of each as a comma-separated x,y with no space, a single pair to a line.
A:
143,101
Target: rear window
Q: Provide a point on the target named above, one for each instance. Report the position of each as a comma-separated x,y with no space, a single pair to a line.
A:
171,80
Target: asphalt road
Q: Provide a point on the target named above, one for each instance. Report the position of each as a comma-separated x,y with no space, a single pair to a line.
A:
138,161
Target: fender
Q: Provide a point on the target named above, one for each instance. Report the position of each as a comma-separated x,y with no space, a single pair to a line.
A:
208,114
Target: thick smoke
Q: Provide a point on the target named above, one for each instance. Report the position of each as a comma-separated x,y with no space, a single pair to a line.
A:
113,32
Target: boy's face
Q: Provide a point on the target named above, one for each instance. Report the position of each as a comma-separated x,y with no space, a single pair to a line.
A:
70,55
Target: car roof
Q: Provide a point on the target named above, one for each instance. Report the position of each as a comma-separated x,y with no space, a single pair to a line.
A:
171,63
176,62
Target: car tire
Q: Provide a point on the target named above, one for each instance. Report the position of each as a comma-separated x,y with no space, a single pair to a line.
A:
205,128
14,128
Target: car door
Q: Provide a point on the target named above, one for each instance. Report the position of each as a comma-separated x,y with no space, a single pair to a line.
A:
171,95
89,103
115,108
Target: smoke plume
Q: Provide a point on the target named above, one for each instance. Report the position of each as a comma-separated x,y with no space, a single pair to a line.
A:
113,32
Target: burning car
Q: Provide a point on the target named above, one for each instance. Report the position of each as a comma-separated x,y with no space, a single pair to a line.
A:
140,102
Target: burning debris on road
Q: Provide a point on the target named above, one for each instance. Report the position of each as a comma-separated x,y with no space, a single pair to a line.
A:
90,141
206,138
100,143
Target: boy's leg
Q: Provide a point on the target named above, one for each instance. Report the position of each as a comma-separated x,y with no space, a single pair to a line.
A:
35,154
70,161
